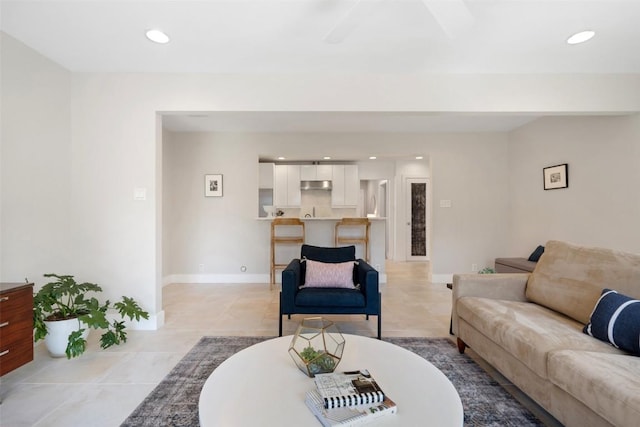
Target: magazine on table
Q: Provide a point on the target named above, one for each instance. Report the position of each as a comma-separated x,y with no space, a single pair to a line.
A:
348,416
338,389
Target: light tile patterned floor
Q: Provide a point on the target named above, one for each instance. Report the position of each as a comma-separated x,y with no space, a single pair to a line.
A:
102,387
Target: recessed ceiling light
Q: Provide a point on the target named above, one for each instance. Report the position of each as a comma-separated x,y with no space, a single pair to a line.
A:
327,158
280,158
581,37
372,158
157,36
419,157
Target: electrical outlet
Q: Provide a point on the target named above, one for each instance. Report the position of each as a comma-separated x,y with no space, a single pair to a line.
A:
201,268
243,268
474,267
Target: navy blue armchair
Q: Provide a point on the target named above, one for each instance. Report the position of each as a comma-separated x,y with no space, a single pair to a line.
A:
365,300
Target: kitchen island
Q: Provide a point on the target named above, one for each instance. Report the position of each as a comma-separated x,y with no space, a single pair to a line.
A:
319,231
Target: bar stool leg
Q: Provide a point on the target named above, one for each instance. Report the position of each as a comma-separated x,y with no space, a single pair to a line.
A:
272,272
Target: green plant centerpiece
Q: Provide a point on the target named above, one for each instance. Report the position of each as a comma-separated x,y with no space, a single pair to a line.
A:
317,346
318,361
64,300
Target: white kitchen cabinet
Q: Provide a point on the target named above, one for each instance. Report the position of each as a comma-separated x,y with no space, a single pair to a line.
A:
324,172
293,185
351,185
286,189
316,172
265,175
346,186
308,172
337,183
280,185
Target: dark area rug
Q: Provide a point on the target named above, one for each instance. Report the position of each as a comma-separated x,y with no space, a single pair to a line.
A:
174,402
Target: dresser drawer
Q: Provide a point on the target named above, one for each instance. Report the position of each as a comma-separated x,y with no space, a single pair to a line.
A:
11,332
16,305
15,356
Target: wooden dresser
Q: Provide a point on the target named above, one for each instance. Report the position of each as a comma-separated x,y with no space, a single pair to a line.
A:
16,325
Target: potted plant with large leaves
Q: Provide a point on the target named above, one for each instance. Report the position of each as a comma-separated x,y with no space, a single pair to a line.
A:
64,311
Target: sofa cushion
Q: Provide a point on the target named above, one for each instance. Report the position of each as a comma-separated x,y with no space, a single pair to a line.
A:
616,319
570,278
609,384
527,331
331,297
328,274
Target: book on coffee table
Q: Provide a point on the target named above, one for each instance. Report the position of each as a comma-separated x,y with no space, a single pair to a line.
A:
348,416
338,389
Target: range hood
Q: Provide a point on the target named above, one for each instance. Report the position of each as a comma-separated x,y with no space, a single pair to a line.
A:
315,185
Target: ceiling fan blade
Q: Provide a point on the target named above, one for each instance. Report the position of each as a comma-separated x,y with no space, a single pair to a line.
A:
349,21
453,16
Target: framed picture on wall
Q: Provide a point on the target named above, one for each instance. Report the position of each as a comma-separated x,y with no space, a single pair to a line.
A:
213,185
556,177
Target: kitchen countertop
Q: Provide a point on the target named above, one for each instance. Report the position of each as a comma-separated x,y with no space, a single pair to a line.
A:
320,218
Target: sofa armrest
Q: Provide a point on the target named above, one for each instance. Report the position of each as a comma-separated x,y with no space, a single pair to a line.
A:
368,278
505,286
291,281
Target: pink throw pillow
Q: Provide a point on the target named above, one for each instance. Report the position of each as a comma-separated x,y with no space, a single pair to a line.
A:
329,275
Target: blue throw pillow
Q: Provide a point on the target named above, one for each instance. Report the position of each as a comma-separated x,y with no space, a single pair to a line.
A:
535,255
616,320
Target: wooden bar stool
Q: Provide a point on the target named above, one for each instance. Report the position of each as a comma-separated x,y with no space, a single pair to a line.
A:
349,239
295,237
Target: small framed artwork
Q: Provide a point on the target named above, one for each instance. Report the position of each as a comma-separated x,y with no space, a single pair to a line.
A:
556,177
213,185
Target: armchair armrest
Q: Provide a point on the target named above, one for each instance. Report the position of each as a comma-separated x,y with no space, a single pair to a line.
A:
505,286
367,277
291,280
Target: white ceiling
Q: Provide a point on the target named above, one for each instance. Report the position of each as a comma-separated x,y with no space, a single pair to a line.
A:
369,36
387,36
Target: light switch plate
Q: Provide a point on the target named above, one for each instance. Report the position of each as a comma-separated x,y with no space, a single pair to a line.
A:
445,203
139,194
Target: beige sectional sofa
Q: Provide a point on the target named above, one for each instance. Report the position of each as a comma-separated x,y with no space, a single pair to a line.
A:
530,328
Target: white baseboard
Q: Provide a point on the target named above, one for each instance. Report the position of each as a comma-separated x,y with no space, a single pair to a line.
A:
215,278
229,278
442,278
154,322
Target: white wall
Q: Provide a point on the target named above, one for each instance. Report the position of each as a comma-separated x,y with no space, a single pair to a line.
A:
222,233
114,148
35,162
217,236
600,207
376,169
115,151
473,175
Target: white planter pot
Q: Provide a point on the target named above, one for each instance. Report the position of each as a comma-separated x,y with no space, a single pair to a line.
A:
58,332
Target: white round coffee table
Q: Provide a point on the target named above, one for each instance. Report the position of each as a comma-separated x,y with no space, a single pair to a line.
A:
261,386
